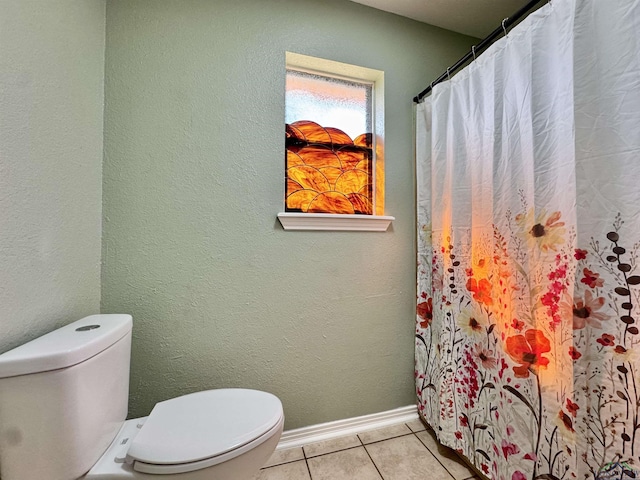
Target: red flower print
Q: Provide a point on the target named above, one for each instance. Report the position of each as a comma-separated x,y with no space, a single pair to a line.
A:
620,349
503,367
468,272
527,350
530,456
509,448
481,290
518,475
464,421
566,420
517,324
485,468
580,254
558,274
572,408
591,278
458,435
555,292
425,312
574,354
606,340
550,298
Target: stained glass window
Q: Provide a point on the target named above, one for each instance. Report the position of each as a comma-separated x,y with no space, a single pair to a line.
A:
330,144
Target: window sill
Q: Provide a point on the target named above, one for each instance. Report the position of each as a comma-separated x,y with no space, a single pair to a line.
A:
335,222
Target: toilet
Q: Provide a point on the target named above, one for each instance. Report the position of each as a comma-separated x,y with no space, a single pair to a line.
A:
63,405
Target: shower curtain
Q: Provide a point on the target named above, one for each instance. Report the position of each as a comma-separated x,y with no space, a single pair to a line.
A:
528,186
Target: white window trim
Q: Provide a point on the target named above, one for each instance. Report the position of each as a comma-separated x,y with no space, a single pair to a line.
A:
331,221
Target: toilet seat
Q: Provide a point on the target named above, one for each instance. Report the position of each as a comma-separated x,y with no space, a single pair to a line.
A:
203,429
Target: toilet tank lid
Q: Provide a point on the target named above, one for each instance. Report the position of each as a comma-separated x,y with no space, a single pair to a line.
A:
66,346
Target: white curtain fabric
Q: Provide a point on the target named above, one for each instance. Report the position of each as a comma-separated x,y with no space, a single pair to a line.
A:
528,186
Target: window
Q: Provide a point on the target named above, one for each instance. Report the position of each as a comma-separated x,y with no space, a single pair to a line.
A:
329,160
334,128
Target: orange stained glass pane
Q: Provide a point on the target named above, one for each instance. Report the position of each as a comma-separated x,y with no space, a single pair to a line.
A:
292,134
352,181
366,190
364,140
332,174
292,186
351,158
312,132
300,200
293,159
309,177
338,137
361,203
364,165
333,202
319,156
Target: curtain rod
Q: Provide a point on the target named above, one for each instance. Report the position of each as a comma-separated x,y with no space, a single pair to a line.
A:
481,47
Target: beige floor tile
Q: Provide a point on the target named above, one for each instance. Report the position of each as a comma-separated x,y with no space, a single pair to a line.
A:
406,458
288,471
384,433
330,446
416,425
285,456
451,461
349,464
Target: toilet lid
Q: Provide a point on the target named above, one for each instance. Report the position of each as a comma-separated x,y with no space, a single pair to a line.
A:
202,425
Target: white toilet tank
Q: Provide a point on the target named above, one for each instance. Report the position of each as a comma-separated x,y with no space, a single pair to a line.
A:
63,398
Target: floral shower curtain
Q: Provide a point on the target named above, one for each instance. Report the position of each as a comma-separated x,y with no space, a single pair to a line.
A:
528,184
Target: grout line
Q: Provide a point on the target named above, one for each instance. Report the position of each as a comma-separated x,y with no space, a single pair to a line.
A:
328,453
308,469
437,457
370,458
369,455
306,462
385,439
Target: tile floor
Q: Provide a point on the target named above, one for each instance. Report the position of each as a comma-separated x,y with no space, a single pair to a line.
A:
399,452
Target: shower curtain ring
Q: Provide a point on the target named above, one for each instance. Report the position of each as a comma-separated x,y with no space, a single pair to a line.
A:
448,76
503,27
473,50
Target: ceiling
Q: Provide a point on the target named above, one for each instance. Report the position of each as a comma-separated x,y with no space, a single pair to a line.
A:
477,18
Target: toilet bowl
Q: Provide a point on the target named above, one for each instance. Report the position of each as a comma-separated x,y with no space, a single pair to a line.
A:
224,434
63,404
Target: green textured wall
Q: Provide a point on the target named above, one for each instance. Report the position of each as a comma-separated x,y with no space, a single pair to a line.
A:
193,179
51,110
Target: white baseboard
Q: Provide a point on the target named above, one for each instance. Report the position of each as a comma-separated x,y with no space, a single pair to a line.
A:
348,426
